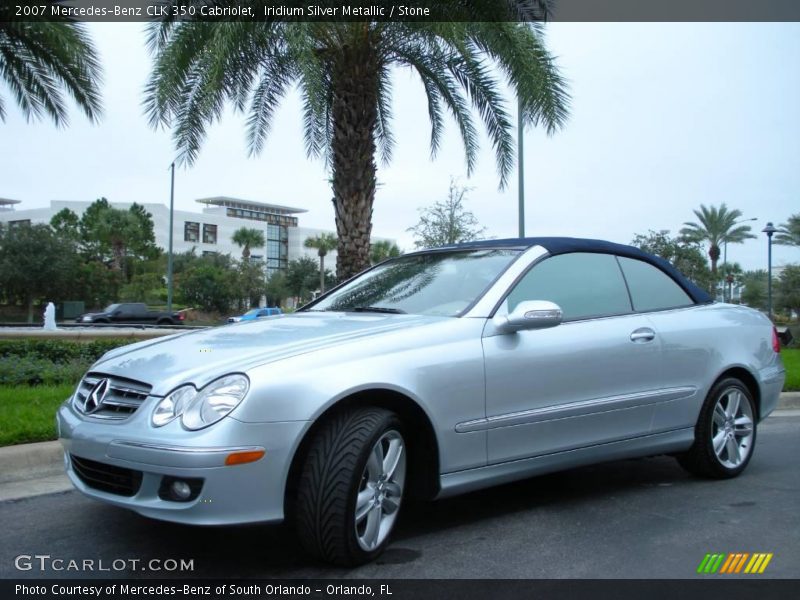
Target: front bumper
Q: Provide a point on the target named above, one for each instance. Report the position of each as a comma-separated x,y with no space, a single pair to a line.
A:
244,493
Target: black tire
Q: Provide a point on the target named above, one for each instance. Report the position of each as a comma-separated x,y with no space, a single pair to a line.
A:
334,471
702,459
165,322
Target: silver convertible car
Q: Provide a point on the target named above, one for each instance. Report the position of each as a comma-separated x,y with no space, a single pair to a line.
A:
428,375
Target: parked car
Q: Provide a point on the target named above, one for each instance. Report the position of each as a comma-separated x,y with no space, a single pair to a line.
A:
131,312
432,374
256,313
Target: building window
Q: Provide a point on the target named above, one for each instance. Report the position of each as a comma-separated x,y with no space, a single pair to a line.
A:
277,247
209,234
19,223
191,232
254,215
209,253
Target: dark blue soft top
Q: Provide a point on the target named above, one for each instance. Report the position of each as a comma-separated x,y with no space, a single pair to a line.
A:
565,245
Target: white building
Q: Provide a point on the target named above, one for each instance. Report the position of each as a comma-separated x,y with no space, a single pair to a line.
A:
208,231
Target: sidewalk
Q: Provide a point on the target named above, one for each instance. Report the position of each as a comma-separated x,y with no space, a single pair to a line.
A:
34,469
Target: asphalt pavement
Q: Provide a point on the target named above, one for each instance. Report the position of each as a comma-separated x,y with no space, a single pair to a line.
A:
642,518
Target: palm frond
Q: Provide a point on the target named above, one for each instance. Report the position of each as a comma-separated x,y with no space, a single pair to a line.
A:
39,61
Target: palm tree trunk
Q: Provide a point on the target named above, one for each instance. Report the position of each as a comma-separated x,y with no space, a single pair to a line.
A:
354,114
714,253
321,273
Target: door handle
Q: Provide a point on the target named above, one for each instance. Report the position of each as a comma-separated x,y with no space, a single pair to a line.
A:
642,335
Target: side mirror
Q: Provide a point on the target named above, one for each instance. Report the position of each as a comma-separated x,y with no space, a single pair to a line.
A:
531,314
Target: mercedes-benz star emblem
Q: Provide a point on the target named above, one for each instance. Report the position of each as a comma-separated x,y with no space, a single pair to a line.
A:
94,400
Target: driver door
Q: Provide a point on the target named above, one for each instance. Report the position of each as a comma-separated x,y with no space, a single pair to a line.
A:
591,380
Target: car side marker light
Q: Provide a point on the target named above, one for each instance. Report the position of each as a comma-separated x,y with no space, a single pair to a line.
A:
241,458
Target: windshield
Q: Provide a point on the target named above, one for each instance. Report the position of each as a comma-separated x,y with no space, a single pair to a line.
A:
436,283
252,311
111,308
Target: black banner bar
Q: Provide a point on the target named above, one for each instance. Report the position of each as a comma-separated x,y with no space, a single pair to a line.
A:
394,589
401,10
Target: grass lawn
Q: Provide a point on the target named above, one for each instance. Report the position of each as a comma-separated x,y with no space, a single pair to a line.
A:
28,414
791,360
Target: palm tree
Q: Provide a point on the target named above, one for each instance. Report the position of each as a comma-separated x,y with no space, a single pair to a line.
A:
247,238
381,250
323,243
789,232
716,226
343,72
39,60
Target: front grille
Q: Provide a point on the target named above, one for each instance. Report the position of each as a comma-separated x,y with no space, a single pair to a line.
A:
123,398
106,478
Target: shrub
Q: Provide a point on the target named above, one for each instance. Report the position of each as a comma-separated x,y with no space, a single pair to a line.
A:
59,351
50,362
28,370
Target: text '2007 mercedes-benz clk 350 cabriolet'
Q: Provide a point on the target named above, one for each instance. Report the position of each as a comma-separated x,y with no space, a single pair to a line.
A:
428,375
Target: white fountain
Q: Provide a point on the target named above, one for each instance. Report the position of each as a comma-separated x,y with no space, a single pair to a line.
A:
50,317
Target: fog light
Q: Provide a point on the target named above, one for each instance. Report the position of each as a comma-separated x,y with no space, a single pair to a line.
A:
181,490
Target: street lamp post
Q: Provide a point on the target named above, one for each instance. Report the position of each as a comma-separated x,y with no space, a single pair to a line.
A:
169,251
770,229
520,171
725,252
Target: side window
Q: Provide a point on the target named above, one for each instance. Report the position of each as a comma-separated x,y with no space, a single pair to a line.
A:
651,288
582,284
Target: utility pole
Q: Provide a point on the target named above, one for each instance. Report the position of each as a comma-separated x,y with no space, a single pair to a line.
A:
520,169
169,252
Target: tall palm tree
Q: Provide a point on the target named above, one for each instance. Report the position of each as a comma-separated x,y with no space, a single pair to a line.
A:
323,243
39,60
381,250
247,238
789,232
716,226
343,72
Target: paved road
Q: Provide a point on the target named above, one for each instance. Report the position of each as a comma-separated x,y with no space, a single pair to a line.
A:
637,518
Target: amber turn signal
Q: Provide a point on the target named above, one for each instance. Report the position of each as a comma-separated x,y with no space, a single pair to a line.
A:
241,458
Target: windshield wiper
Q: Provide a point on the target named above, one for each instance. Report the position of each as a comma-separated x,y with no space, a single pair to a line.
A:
377,309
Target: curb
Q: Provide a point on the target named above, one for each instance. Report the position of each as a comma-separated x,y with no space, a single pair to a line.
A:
30,461
789,400
33,469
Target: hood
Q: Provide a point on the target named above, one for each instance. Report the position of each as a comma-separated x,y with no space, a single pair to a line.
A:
201,356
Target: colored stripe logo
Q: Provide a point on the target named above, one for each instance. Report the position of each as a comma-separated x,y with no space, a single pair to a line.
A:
736,562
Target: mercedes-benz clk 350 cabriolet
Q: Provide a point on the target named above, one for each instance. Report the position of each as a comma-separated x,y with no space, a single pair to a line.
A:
431,374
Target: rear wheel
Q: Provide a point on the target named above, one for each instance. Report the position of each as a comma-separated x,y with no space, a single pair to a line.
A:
725,434
351,486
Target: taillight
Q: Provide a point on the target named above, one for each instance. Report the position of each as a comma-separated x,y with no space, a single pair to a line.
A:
776,342
181,316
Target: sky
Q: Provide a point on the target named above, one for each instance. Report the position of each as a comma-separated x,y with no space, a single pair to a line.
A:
664,117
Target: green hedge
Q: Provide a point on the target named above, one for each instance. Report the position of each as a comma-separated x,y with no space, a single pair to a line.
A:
50,362
60,351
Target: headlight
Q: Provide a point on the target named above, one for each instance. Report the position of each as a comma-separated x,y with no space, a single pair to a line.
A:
173,405
215,401
203,408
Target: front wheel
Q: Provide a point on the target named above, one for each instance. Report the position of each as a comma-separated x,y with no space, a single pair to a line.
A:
725,434
351,486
